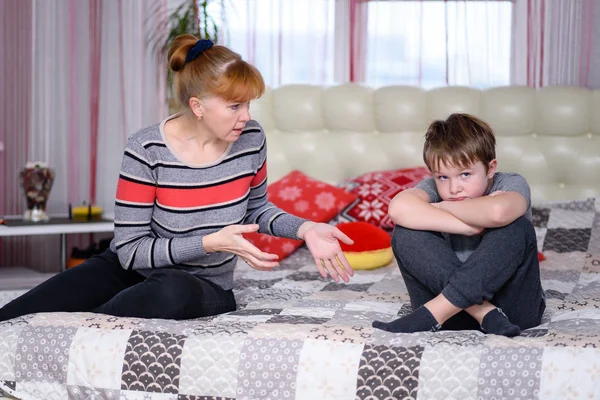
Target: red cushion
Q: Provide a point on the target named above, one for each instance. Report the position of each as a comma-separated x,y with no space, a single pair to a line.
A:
367,237
304,197
375,190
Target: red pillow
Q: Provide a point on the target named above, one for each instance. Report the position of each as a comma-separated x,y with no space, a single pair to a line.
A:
304,197
375,190
366,237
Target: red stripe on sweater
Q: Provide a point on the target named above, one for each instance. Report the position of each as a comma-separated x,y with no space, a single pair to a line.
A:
199,197
260,176
135,192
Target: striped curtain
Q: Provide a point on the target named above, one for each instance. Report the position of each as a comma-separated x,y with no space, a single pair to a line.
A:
77,79
15,85
553,42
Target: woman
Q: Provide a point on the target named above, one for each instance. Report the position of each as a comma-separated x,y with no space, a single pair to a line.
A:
189,187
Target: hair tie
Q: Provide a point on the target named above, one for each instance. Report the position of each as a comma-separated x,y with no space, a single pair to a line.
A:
197,49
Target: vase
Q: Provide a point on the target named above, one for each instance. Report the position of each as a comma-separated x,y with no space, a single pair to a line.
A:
36,181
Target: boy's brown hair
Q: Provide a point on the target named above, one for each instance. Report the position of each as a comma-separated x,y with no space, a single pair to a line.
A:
461,140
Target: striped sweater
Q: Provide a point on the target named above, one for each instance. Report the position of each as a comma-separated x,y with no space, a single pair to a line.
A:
164,207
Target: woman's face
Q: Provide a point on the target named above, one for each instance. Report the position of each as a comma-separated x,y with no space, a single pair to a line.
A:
224,119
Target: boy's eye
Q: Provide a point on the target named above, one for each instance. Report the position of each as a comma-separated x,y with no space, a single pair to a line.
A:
442,177
466,174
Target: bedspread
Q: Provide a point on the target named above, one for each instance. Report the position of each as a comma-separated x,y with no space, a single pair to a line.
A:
298,336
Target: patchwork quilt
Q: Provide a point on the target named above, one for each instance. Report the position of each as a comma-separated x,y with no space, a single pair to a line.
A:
298,336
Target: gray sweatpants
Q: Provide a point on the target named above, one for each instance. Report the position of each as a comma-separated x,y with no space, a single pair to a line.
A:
503,270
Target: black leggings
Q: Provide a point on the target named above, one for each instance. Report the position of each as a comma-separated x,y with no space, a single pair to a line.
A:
101,285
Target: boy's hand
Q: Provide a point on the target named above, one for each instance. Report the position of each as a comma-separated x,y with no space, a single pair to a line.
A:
475,230
471,230
442,204
413,209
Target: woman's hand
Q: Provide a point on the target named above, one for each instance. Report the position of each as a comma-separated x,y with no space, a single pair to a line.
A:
322,241
230,239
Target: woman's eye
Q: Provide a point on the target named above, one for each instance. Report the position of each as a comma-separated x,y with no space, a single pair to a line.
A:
235,107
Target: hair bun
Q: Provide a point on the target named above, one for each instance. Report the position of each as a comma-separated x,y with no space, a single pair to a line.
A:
197,49
179,50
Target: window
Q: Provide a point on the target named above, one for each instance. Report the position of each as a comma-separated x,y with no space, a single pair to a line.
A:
434,42
414,42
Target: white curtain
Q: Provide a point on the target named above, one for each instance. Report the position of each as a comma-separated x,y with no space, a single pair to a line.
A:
133,85
376,42
288,41
438,43
90,80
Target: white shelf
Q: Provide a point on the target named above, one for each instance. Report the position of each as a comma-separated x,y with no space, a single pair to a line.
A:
58,227
55,228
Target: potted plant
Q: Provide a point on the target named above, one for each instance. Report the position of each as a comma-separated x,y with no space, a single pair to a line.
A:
191,16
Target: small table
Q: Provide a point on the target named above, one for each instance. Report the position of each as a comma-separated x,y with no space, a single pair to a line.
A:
57,225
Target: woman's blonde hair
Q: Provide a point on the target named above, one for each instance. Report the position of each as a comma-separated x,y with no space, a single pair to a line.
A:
217,71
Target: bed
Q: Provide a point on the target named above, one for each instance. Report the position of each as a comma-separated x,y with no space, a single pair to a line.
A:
296,335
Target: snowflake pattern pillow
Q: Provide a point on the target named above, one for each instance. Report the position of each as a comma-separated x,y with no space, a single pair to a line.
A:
375,191
304,197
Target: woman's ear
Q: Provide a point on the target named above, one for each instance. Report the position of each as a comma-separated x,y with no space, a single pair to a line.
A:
196,106
492,168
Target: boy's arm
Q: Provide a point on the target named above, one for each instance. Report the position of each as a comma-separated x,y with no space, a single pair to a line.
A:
492,211
411,209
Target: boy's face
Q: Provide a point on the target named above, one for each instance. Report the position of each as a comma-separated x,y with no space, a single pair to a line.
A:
461,183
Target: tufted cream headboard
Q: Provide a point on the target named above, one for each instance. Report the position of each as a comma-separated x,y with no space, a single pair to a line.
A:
551,135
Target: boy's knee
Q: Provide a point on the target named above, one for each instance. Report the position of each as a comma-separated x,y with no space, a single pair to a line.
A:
397,235
522,222
402,238
524,226
408,244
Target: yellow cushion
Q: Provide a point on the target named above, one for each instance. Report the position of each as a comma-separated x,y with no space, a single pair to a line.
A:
365,260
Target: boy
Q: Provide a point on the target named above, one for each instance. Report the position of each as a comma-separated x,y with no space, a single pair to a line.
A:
464,238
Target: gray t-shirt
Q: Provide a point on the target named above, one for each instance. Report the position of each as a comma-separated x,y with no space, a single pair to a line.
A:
463,245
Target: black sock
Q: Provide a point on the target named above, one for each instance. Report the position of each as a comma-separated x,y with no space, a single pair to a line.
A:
497,323
420,320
